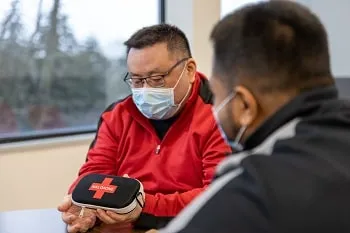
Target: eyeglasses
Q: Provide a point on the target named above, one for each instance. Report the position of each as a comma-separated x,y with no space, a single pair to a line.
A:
152,80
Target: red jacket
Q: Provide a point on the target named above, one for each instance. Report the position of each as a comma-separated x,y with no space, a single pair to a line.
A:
173,171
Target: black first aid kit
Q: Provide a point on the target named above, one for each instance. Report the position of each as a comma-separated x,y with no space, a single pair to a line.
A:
107,192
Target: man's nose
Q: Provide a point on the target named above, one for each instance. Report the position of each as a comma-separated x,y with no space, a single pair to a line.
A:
145,84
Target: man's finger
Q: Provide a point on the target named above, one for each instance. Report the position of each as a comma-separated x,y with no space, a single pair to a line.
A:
66,204
90,218
117,217
73,228
83,224
87,222
101,214
152,231
84,229
68,218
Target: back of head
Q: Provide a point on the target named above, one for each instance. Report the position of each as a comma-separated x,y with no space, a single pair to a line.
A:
272,46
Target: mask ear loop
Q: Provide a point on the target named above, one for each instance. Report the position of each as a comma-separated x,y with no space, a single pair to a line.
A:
225,101
236,143
177,82
188,90
173,89
183,99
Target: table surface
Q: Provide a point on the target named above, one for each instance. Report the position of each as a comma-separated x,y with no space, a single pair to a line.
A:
44,221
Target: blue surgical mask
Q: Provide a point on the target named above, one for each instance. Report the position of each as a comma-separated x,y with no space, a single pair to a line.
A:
157,103
235,144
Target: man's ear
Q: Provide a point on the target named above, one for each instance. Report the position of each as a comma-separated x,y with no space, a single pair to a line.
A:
247,105
191,69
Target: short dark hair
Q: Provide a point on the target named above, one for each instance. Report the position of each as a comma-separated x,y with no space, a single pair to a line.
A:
161,33
277,45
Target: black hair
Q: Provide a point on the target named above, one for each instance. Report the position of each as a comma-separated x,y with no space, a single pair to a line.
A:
273,46
161,33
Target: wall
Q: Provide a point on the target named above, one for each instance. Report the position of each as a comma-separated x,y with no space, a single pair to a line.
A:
335,16
37,175
196,18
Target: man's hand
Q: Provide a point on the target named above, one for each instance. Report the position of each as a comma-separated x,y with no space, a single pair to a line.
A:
110,217
152,231
70,215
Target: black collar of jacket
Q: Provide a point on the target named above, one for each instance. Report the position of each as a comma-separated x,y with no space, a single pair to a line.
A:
300,106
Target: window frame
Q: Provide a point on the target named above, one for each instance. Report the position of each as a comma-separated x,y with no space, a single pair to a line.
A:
65,132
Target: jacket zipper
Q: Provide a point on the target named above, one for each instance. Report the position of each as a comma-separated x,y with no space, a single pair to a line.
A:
172,128
158,149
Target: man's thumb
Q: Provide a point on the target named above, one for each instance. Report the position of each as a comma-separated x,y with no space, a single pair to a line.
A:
126,175
66,204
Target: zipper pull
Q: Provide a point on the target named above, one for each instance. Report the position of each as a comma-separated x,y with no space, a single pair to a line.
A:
158,149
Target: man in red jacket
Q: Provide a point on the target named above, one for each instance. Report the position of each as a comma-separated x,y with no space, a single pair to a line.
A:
164,134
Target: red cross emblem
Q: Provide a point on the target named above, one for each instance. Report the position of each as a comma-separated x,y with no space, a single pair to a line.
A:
102,188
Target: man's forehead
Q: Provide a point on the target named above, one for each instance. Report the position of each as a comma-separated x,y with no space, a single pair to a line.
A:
149,59
157,51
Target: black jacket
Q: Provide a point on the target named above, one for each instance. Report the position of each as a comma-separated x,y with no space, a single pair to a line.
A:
294,175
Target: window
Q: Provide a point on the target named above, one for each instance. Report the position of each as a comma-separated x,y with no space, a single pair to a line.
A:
62,62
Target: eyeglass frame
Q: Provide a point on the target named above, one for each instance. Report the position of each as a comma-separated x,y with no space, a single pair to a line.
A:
163,76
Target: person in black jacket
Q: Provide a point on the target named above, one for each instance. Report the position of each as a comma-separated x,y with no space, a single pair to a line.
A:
278,107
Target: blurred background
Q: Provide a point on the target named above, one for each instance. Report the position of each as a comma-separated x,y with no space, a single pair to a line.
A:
62,63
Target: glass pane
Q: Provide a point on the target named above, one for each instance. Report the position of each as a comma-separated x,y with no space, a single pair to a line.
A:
62,61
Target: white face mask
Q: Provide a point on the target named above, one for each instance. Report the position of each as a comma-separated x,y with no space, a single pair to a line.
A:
157,103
